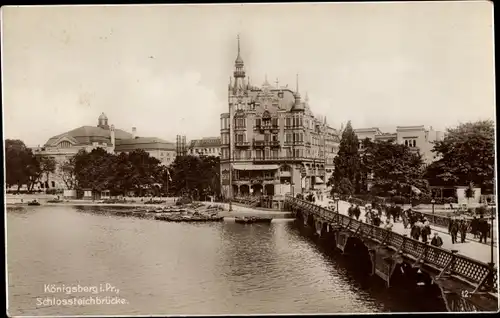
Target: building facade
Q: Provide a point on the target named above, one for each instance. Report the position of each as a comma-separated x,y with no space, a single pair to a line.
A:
208,146
417,138
64,146
271,143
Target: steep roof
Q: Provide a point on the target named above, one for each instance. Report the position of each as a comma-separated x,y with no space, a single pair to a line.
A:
145,143
205,142
86,135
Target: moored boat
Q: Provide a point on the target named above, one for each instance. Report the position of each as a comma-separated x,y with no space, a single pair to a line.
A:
251,220
34,202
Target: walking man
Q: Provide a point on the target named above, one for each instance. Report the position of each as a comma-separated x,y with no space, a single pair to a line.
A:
357,212
483,230
426,230
453,230
415,230
463,230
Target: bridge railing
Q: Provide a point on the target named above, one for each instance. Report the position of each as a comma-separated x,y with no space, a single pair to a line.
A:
464,268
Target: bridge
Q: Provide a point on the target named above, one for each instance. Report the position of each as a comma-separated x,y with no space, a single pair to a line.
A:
466,284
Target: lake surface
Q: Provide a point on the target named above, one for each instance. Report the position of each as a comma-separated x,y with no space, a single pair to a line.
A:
162,268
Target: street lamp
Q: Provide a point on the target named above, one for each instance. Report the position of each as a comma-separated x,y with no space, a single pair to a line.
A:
433,202
336,199
491,264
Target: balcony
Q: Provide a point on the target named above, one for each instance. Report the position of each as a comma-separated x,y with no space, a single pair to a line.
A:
242,144
274,143
294,143
259,143
267,159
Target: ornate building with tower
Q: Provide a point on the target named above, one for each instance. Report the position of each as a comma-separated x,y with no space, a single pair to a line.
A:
271,142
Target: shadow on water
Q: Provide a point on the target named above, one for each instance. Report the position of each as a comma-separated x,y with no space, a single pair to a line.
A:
404,295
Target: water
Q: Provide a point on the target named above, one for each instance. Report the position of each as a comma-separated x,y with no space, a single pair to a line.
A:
165,268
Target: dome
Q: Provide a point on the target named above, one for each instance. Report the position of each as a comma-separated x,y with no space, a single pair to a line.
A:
103,116
86,135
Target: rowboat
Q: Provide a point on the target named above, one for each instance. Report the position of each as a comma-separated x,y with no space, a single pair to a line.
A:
251,220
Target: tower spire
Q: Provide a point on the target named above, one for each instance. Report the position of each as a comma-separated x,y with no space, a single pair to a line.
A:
297,94
239,60
238,43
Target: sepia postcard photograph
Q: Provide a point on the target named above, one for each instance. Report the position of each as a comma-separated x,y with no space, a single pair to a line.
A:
249,159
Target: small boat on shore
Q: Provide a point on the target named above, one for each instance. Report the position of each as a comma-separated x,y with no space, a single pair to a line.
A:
34,203
252,219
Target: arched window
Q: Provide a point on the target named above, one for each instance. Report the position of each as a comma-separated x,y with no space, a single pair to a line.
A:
64,144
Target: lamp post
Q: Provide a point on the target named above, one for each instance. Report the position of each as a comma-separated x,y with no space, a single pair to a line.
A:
433,202
336,198
491,264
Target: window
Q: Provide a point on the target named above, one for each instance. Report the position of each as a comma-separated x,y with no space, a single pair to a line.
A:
275,154
275,137
410,142
240,123
258,122
258,154
267,137
289,138
288,121
275,122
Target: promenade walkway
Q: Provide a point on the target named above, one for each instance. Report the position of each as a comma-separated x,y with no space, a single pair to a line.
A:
472,249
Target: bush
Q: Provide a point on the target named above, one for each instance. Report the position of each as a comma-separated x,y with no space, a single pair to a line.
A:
183,201
54,191
481,210
399,199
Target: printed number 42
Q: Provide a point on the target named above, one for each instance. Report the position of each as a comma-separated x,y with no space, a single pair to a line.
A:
465,294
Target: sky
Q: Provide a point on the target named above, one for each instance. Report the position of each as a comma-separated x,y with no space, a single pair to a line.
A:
165,68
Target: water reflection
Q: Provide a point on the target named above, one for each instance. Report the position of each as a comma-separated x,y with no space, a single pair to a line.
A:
174,268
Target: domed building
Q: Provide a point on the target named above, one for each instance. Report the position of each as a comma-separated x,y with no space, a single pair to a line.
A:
84,136
64,146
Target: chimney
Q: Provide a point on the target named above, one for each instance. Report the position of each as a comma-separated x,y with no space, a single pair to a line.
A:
112,134
134,132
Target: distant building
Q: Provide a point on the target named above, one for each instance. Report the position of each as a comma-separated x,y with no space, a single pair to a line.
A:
208,146
271,143
156,147
64,146
416,137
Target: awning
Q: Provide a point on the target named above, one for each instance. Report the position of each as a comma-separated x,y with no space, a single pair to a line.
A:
319,180
255,167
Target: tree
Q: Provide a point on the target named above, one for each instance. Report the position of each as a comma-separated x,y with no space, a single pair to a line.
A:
66,172
394,168
467,154
196,176
17,158
47,166
347,162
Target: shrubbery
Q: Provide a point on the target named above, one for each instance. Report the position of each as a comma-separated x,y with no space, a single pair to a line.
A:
183,201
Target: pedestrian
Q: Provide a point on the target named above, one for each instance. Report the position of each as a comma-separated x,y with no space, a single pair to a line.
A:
436,240
416,230
397,213
357,212
376,219
483,229
350,211
474,227
463,230
426,230
388,224
454,230
406,221
368,213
